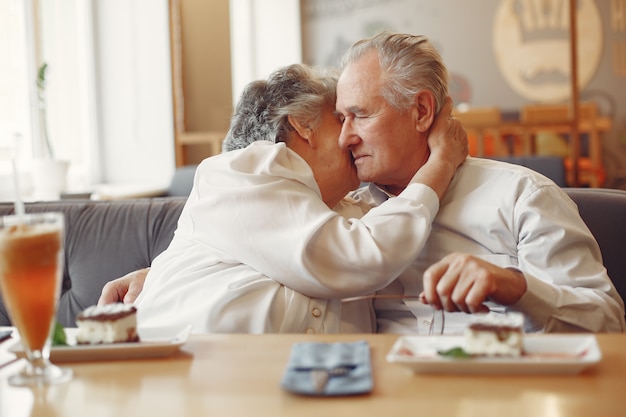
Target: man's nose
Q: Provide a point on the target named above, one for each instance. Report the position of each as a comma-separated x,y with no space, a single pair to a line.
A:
347,136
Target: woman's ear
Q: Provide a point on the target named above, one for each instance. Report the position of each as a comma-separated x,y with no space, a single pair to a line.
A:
305,132
424,110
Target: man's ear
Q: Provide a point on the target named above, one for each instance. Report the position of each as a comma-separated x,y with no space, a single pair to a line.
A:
424,110
304,132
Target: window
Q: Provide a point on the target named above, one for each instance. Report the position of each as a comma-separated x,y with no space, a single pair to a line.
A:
59,33
14,95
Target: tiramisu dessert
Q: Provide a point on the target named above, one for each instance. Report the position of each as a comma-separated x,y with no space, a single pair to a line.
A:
495,334
111,323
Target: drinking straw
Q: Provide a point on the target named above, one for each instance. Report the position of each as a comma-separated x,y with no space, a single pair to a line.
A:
19,204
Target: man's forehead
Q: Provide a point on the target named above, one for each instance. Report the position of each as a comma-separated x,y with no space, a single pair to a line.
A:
346,79
356,94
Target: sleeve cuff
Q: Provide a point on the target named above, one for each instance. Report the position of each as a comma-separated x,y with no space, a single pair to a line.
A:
423,193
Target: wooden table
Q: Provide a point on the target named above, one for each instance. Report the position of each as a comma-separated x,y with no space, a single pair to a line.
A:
239,375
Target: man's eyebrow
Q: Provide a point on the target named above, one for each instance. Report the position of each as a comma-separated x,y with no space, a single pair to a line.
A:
355,109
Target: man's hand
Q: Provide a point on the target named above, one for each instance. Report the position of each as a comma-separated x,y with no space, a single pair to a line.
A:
125,289
447,139
461,282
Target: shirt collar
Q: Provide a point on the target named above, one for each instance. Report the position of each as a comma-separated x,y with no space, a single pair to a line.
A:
378,193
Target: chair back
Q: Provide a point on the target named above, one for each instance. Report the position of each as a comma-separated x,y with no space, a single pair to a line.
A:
604,212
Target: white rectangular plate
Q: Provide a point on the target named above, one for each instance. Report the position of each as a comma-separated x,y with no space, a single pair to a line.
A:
154,343
545,354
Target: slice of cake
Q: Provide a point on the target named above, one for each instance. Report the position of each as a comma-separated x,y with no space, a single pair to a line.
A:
111,323
495,334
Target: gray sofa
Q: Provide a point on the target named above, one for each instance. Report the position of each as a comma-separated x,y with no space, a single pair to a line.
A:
106,239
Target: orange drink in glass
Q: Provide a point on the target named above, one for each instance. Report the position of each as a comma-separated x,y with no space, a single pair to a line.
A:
31,268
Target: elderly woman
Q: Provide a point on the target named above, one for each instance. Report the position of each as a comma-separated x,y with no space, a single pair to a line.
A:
258,248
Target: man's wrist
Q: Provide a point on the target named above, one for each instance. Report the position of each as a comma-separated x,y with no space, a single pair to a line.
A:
441,166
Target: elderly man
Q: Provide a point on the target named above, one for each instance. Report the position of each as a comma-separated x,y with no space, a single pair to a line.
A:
505,237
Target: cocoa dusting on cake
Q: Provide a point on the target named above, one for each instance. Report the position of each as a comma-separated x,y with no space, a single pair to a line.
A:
111,323
484,327
495,335
109,312
501,333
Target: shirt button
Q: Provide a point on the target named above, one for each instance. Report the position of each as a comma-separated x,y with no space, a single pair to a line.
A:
316,312
426,322
310,331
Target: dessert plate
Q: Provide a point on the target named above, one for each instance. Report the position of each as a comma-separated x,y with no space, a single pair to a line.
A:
155,342
543,355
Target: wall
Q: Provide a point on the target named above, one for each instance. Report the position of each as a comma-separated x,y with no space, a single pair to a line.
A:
136,120
463,33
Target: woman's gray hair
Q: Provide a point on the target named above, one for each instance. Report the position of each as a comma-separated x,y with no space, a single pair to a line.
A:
409,63
261,113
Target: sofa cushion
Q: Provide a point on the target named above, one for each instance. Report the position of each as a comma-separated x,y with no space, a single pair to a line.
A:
182,181
105,240
552,167
604,212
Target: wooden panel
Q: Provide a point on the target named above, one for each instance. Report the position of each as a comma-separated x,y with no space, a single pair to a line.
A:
201,76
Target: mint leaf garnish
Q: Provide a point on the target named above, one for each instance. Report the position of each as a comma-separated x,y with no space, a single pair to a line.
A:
455,352
58,336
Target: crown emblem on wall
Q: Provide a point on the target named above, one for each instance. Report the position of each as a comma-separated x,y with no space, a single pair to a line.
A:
532,45
541,19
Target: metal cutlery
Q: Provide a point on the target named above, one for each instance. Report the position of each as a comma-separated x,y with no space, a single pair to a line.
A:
321,376
381,296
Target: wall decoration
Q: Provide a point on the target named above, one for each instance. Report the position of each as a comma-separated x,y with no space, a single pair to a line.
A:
531,46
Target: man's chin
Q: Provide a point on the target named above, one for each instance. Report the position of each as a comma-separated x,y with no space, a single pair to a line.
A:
362,172
364,176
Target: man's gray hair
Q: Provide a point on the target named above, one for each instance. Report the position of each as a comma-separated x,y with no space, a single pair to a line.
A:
261,113
409,63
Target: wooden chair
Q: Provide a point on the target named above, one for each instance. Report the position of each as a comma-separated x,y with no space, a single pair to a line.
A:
481,125
555,118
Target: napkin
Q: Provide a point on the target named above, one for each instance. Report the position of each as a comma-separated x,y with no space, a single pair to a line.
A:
306,360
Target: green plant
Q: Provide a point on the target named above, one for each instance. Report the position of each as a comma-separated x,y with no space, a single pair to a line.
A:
41,95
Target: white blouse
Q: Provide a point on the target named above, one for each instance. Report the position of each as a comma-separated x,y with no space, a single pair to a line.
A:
257,213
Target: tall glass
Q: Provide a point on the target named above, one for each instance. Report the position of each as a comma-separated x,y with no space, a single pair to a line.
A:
31,268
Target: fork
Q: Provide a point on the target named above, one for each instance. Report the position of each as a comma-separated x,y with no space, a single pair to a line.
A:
320,376
380,296
437,322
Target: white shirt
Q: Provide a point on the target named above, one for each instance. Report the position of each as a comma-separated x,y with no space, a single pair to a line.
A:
512,217
257,213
